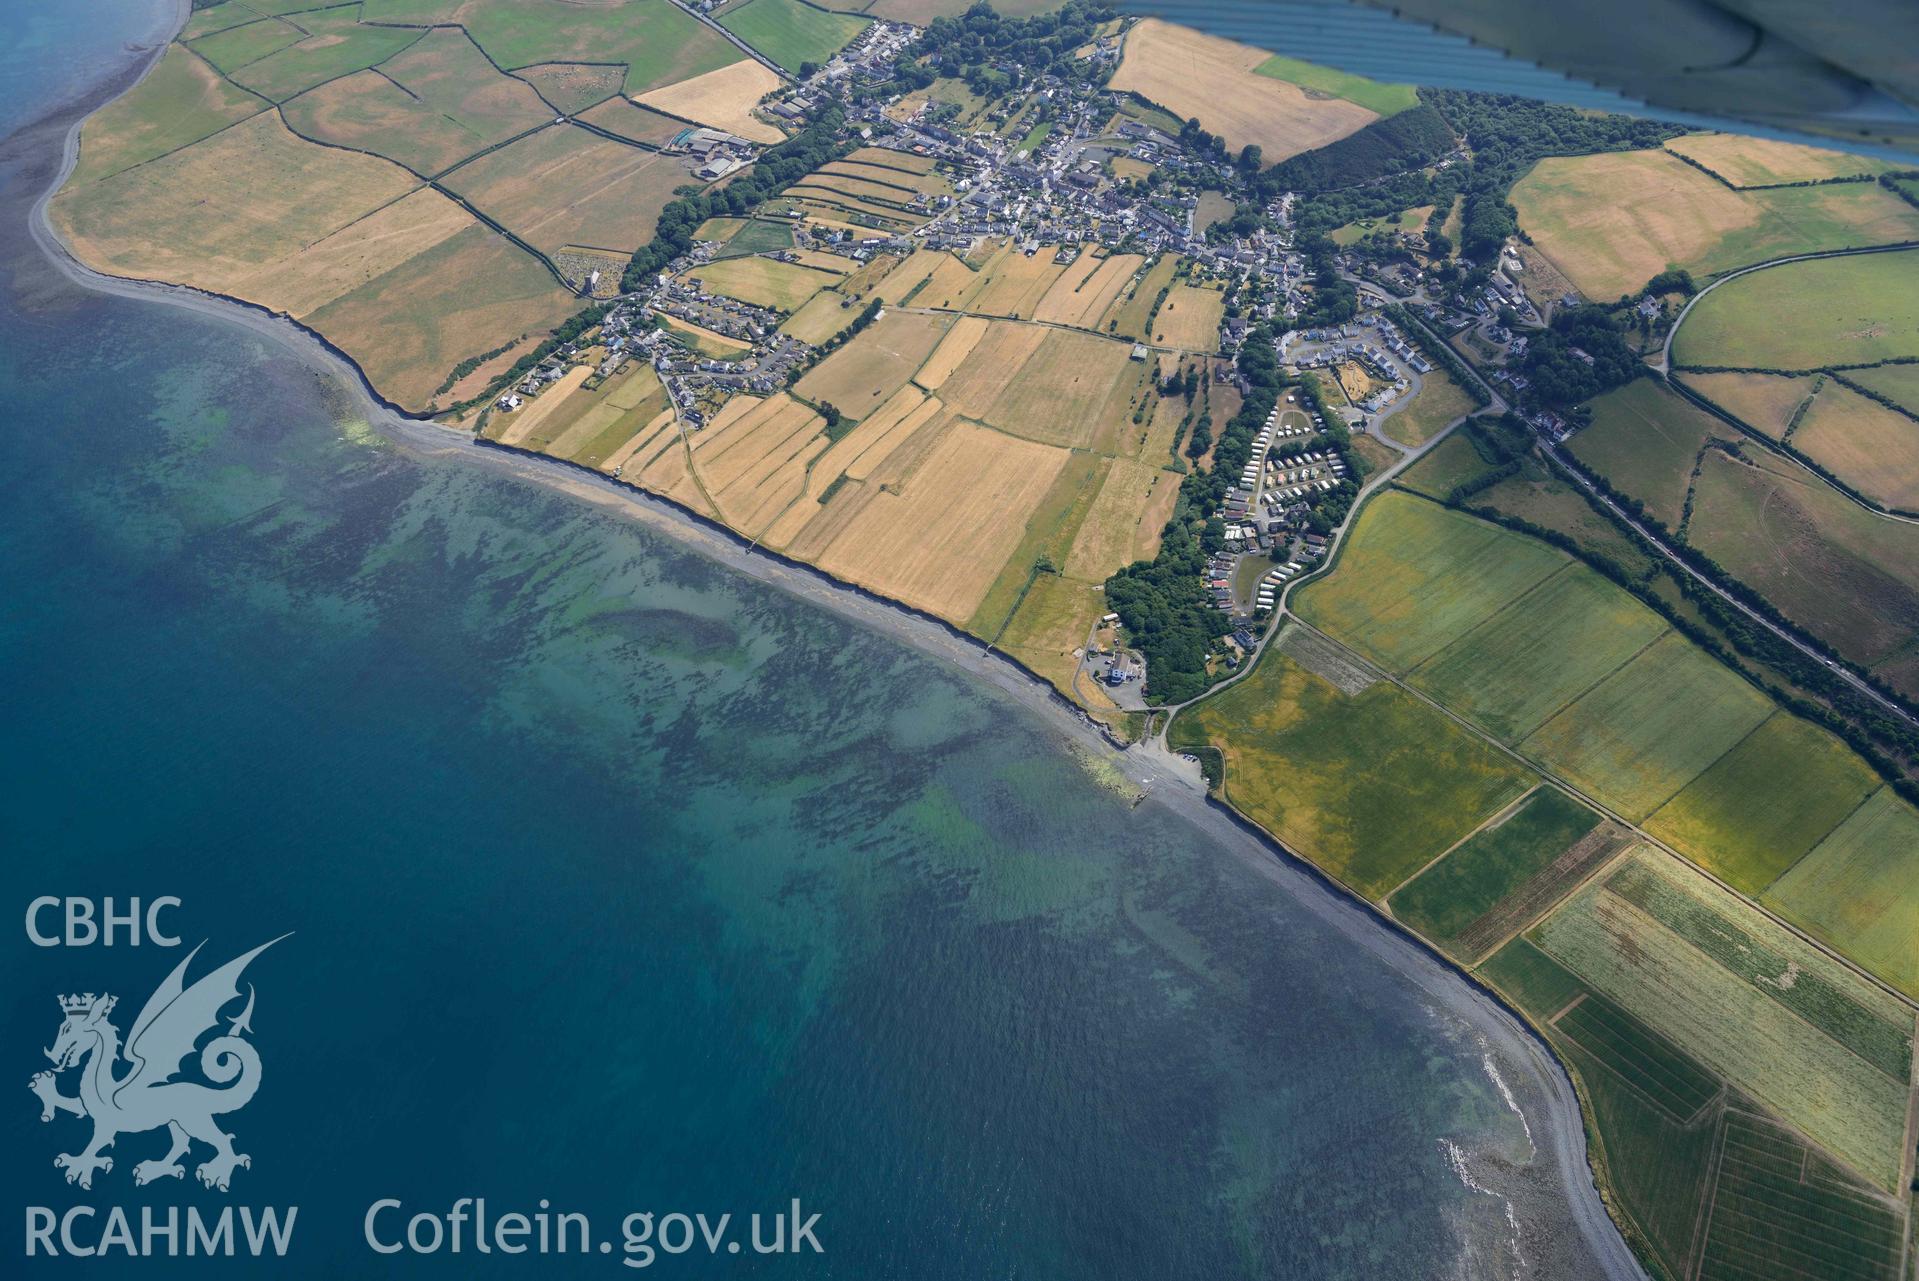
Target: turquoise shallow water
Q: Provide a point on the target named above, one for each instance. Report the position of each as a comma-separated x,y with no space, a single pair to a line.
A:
623,881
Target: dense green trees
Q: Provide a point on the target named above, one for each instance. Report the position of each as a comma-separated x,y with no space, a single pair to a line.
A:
1561,375
1394,145
777,168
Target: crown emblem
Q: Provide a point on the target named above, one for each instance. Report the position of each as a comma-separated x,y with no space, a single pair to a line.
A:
80,1003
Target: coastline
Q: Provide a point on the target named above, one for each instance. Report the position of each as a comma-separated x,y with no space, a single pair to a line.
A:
1165,779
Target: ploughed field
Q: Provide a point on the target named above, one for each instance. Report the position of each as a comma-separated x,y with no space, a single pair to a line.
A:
1664,917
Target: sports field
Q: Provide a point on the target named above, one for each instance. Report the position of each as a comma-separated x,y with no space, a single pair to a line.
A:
1446,898
1859,889
1765,803
1413,576
1870,447
1614,220
723,97
1748,1000
1369,786
1541,651
1746,161
1219,83
1644,440
1843,311
181,101
1764,402
790,32
1437,405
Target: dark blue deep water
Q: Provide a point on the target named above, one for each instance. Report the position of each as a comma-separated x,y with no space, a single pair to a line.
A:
620,880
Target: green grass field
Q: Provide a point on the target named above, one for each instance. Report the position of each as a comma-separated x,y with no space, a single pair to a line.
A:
1644,1060
338,46
182,101
1369,786
1651,727
790,32
1775,1219
1899,382
235,47
1845,574
1765,803
659,43
1804,315
1413,576
1657,1168
1450,463
1869,1024
1460,888
1859,890
1387,100
1515,670
756,236
1749,1001
1643,440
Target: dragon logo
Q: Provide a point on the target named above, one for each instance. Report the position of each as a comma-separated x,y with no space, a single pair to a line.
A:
146,1096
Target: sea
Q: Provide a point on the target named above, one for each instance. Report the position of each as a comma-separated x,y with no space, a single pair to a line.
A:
603,879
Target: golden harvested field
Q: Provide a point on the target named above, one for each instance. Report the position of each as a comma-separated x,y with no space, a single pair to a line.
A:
541,419
409,327
952,351
723,99
1012,284
1764,402
1746,161
570,87
1612,221
355,254
825,314
1083,293
755,466
567,186
181,101
940,541
1189,318
831,184
1074,390
859,376
884,173
1870,447
1125,521
1133,309
662,431
764,282
1204,77
220,211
